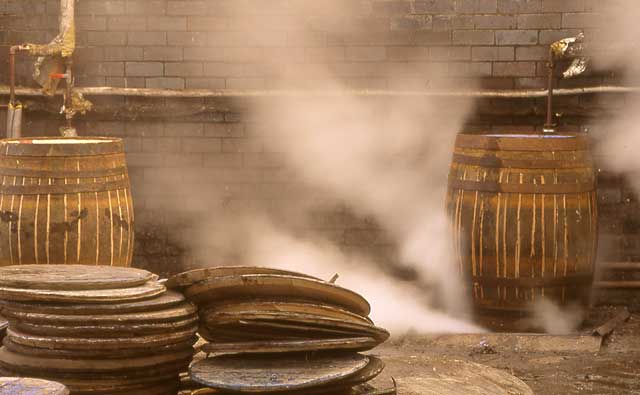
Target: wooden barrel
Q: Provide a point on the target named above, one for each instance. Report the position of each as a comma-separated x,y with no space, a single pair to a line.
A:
65,201
524,216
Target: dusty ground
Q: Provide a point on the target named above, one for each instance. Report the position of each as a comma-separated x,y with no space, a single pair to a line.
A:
548,364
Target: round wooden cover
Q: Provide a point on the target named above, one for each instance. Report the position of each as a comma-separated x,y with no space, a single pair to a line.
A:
110,330
87,343
267,374
96,354
164,301
191,277
18,361
283,307
28,386
297,320
125,386
171,314
147,290
265,286
71,277
288,346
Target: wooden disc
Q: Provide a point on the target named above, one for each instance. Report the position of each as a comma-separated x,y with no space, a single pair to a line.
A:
17,361
172,314
29,386
114,386
147,290
267,374
75,343
288,346
279,286
71,277
284,307
191,277
298,320
108,331
164,301
96,354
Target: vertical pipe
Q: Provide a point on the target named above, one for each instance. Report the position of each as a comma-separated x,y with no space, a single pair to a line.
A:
549,127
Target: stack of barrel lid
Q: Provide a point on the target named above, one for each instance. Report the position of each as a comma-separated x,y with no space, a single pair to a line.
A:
95,329
276,331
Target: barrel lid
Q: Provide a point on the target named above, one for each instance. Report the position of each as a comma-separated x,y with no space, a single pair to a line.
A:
61,146
524,142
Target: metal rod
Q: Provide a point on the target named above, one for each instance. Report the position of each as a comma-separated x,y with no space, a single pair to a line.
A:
231,93
549,126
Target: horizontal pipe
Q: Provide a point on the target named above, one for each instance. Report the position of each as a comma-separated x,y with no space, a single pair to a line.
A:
231,93
617,284
630,266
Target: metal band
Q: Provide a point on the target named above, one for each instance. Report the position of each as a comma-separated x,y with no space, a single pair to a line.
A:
491,160
61,189
576,280
523,143
484,186
47,147
4,171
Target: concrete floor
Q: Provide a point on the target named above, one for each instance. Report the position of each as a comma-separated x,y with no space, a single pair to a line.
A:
576,364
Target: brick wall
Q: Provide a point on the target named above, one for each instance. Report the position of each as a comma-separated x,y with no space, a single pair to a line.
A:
258,44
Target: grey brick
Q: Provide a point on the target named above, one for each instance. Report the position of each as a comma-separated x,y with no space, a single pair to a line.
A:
187,39
123,53
433,6
127,23
366,54
161,144
205,83
242,145
563,5
91,23
224,130
163,53
326,54
183,129
147,38
144,69
494,21
406,53
103,69
444,23
469,69
107,38
514,69
540,21
100,7
516,37
476,6
493,54
532,53
203,54
146,7
412,22
183,69
246,83
207,23
204,145
473,37
582,20
519,6
166,23
187,7
450,53
224,160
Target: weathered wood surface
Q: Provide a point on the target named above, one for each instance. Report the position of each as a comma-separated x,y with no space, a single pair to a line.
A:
191,277
72,277
171,314
65,201
343,344
421,375
29,386
87,343
214,290
268,374
13,361
147,290
284,307
167,300
523,211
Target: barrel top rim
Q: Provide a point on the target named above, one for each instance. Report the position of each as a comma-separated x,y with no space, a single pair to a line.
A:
62,140
529,136
529,141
